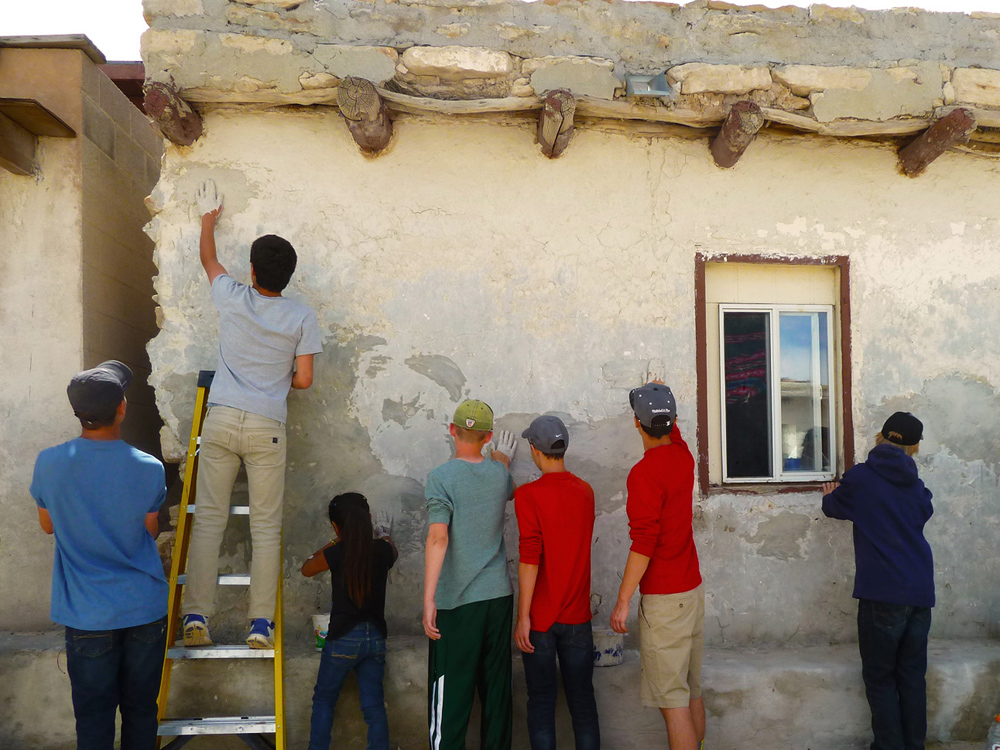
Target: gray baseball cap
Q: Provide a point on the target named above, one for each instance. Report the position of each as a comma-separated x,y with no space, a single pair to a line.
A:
548,434
95,394
654,405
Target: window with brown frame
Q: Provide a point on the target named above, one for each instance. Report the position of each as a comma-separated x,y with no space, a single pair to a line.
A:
772,362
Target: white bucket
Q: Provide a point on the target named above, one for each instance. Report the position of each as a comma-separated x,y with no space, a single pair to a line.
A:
608,648
321,624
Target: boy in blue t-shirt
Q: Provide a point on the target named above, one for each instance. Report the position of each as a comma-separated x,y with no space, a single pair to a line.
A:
894,584
100,498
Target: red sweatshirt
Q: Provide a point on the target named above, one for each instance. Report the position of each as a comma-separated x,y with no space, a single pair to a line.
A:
555,518
659,507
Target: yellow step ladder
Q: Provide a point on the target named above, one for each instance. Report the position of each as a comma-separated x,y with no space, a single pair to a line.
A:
250,729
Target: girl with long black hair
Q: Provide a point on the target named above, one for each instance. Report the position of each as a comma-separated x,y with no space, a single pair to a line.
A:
359,564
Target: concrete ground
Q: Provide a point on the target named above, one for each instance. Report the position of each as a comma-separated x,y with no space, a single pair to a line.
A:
790,699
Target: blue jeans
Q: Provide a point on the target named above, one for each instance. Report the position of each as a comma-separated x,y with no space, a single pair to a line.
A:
574,645
363,650
892,639
112,670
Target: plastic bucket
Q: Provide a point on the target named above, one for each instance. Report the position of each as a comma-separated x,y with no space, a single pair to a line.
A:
608,648
321,624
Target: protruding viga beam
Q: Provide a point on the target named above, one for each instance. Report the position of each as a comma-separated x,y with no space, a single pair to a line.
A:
171,113
951,130
619,109
738,131
555,123
366,114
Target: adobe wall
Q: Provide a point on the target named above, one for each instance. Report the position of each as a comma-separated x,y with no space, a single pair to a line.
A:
462,263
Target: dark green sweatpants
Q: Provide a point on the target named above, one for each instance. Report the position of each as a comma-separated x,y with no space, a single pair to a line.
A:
472,655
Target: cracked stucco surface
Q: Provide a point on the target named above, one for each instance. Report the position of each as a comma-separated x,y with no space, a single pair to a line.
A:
461,263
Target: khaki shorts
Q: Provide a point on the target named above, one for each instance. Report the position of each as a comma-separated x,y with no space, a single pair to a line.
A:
671,638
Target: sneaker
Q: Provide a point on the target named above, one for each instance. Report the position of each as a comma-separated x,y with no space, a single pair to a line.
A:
196,631
261,633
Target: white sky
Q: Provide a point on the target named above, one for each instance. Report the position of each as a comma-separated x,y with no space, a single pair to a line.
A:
115,25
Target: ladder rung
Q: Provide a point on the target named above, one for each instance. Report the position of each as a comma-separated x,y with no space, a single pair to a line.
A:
234,510
229,579
217,725
240,651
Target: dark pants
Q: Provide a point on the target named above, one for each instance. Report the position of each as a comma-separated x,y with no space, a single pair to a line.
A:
363,650
893,642
111,670
574,645
472,656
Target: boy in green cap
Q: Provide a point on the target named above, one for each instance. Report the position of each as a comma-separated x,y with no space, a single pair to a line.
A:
468,599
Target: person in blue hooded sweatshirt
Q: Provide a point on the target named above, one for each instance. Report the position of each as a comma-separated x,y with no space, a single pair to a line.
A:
894,584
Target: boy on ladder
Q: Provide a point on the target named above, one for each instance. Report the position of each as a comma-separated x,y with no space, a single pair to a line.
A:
266,347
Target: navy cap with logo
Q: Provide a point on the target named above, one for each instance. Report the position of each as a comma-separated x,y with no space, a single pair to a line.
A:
548,434
653,405
95,394
902,428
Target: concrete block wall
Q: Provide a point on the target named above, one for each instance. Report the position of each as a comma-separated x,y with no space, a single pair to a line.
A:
41,322
121,163
75,289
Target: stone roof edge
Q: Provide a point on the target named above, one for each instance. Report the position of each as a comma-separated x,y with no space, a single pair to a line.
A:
289,54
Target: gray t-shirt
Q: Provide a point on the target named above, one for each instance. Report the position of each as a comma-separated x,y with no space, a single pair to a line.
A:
259,339
471,499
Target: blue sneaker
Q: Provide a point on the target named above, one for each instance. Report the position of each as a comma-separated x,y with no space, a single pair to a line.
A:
196,631
261,633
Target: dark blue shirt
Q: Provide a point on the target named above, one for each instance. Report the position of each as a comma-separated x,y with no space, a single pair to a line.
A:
107,573
889,506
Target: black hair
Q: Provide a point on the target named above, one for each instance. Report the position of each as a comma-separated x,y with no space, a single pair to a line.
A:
273,259
354,524
657,432
558,450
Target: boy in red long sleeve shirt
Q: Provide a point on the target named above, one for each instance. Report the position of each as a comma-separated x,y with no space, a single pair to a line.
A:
555,519
663,563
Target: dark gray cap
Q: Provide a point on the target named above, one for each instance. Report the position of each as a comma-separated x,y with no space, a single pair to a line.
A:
95,394
654,405
548,434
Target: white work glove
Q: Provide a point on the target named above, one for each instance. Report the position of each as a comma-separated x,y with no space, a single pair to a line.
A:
208,198
505,444
382,523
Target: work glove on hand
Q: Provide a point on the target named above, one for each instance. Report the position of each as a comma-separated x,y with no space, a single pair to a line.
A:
506,444
208,198
382,523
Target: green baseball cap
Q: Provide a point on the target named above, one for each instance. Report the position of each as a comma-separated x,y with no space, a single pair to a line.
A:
473,415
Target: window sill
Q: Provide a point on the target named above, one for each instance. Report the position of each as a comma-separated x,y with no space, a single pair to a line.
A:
770,488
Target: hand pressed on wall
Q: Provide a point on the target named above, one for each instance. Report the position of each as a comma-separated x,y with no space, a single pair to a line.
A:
208,198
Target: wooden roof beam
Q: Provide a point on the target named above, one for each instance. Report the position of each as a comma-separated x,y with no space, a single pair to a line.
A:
173,116
366,114
738,131
951,130
555,123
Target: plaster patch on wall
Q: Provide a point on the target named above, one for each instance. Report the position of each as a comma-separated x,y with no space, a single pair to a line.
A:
400,411
781,536
441,370
961,415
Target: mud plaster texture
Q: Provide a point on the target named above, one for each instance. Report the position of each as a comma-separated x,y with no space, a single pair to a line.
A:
462,264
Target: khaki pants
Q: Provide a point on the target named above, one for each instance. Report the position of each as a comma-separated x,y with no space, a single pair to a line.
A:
228,437
671,638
